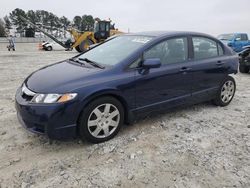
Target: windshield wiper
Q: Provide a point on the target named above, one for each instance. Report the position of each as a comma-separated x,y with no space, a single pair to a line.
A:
93,63
77,61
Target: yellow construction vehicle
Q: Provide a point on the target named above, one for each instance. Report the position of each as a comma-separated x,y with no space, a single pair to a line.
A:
102,31
82,40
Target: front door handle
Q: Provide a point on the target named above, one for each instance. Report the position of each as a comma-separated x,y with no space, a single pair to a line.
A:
185,69
219,63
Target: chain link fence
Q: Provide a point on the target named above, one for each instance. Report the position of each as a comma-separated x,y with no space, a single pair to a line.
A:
24,40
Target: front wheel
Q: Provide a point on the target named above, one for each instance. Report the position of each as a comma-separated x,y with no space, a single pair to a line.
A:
101,120
84,45
78,49
226,92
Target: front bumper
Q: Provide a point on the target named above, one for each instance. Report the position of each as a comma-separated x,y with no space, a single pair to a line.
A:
57,121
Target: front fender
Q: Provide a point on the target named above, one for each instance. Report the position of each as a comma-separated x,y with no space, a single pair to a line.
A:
84,101
121,87
98,93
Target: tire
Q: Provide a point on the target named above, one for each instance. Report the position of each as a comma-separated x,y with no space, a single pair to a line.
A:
244,69
78,49
96,125
226,92
49,48
84,45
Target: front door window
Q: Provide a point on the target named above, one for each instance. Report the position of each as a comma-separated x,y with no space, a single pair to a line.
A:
170,51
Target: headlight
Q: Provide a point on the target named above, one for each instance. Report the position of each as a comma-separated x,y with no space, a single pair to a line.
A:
53,98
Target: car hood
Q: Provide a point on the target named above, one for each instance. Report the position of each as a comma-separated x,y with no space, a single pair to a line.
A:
60,77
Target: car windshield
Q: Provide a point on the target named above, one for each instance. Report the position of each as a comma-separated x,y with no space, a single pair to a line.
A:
226,37
115,50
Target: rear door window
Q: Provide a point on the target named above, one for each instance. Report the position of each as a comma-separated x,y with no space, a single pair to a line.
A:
244,37
206,48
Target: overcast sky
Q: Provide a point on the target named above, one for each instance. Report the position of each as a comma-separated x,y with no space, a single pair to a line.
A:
209,16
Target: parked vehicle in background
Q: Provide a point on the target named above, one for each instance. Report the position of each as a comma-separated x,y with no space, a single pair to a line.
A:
237,41
245,59
49,46
93,94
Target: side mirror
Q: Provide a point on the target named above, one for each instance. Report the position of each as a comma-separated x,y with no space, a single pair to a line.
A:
237,39
151,63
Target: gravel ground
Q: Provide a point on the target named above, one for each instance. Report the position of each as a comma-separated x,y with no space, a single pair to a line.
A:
198,146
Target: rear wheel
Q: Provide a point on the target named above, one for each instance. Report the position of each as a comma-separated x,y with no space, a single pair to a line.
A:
101,120
244,69
49,48
226,92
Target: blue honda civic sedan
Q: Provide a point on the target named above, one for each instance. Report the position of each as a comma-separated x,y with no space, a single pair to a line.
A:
93,94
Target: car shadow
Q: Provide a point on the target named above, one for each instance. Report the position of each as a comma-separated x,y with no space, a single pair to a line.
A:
128,130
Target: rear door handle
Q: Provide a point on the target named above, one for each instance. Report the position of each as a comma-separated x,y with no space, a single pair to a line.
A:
185,69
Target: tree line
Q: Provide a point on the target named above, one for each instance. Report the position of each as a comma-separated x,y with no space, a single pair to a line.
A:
47,19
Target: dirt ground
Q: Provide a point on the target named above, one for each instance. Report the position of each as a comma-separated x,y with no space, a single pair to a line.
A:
199,146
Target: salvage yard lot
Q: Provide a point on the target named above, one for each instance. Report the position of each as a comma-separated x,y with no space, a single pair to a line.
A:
197,146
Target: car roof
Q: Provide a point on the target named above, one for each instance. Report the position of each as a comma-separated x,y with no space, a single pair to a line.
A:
233,33
167,33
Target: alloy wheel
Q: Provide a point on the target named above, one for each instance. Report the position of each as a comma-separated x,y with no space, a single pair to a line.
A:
227,91
103,120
